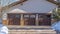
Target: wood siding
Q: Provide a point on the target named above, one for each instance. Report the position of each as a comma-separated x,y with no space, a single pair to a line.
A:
5,22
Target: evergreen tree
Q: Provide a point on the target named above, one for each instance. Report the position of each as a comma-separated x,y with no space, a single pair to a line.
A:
56,14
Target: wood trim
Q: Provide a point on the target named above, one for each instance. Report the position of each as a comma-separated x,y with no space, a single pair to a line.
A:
22,21
30,13
37,20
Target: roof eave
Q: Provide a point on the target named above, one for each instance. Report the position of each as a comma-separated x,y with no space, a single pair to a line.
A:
54,2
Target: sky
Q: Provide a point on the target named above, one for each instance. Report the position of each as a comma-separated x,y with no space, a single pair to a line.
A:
6,2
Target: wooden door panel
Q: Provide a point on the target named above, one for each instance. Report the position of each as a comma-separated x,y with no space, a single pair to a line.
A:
14,19
32,21
10,22
44,20
10,18
17,19
29,19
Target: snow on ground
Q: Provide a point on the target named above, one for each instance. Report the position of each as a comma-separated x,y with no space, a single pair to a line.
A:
3,29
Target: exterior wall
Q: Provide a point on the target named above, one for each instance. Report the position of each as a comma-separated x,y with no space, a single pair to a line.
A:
5,22
31,6
4,17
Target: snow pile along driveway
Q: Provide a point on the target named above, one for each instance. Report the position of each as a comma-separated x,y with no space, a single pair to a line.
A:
3,29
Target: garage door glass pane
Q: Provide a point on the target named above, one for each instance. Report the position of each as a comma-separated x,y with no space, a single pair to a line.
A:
29,20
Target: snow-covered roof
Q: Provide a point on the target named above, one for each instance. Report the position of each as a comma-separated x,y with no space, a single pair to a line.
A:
36,6
17,11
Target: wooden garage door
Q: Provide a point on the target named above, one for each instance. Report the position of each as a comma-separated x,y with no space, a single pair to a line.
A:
29,19
14,19
44,19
